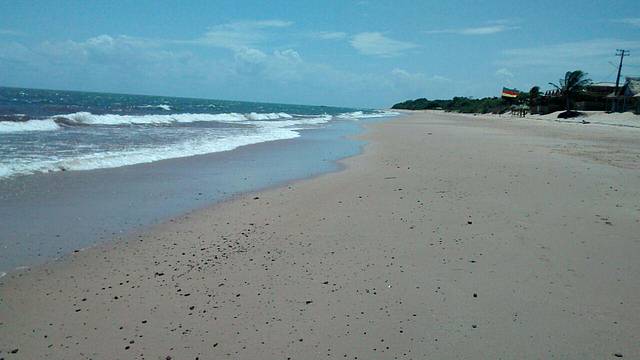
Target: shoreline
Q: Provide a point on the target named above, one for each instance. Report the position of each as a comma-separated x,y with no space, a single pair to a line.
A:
71,192
446,237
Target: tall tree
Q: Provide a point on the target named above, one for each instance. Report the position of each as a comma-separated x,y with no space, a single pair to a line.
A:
534,95
573,83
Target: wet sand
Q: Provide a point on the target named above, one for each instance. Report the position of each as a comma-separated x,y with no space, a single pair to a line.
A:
449,237
44,216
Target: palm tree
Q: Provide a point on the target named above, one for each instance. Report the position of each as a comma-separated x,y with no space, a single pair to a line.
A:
534,94
573,83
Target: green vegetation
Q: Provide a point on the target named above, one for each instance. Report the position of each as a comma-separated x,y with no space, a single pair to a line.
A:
570,89
457,104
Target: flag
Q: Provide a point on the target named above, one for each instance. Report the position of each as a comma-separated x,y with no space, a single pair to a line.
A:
510,93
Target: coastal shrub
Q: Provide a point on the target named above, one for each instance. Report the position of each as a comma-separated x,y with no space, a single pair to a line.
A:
457,104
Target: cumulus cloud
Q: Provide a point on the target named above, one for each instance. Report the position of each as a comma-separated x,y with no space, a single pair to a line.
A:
247,65
376,44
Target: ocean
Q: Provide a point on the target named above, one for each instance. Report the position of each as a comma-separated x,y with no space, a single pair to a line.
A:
49,130
78,169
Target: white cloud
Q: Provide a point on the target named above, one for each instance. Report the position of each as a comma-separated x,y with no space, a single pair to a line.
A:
504,72
10,32
481,30
440,78
400,73
405,84
634,22
238,34
328,35
376,44
574,54
251,68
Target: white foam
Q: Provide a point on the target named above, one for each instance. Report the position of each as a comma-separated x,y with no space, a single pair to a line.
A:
161,106
264,127
85,118
112,159
269,116
362,115
294,123
30,125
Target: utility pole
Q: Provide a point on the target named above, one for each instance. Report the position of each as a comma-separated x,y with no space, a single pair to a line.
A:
621,53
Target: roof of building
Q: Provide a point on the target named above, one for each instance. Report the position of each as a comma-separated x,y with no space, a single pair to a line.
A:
603,84
633,86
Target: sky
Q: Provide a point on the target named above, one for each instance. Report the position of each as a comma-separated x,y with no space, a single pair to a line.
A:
361,53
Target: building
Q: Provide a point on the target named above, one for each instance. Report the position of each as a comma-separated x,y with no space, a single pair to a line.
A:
628,97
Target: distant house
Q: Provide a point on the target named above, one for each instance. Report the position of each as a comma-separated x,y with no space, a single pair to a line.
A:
601,89
628,97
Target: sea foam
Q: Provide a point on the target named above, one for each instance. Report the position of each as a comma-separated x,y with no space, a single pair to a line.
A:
112,159
30,125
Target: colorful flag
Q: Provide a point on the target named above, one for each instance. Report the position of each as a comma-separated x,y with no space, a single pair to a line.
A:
510,93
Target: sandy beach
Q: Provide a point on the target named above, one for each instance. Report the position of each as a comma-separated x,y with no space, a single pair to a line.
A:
449,237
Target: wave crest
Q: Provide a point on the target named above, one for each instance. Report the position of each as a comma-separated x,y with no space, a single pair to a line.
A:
29,125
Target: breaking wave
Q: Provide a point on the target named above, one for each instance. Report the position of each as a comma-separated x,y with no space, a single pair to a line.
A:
111,159
88,119
110,143
29,125
161,106
363,115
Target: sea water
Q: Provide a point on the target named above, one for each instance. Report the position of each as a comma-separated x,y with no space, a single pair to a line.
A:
47,130
81,168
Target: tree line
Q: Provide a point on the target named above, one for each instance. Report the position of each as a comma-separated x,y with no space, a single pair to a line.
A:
571,87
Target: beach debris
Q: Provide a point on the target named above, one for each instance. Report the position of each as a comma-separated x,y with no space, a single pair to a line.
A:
14,351
475,295
308,302
256,198
617,355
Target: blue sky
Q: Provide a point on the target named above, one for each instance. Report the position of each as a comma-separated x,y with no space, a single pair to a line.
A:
349,53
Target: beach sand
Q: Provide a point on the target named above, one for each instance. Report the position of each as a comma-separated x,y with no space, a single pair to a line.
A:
450,237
